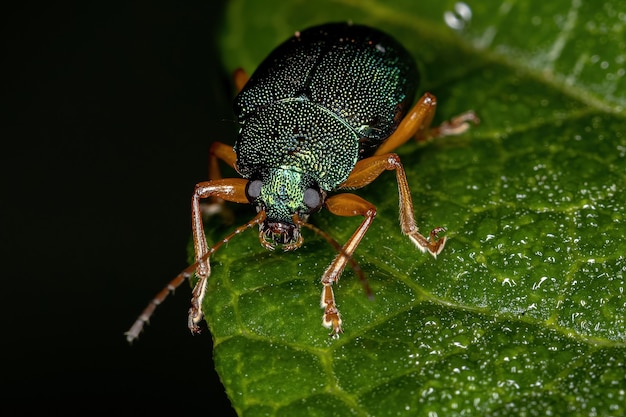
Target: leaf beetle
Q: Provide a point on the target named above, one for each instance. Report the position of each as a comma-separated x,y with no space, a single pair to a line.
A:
321,114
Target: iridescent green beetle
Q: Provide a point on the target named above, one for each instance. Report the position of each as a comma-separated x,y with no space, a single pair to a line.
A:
322,113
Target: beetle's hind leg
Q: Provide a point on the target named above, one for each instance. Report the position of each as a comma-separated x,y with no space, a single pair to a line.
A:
240,78
455,126
416,124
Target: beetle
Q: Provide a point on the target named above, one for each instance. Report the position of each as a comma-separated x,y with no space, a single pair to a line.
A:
321,114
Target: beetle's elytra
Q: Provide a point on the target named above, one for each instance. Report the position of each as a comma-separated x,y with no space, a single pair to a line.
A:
322,113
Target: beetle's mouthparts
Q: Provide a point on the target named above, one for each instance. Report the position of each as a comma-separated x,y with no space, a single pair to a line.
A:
275,233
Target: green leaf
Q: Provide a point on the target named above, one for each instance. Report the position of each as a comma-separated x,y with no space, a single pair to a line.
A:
523,312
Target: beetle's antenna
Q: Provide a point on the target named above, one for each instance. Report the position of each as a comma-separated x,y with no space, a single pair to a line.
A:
353,263
133,333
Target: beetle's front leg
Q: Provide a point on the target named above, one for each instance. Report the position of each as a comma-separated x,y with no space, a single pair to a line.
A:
229,189
368,169
343,205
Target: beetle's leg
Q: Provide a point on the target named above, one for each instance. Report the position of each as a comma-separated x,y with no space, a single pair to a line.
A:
226,153
368,169
229,189
417,123
144,317
240,78
219,151
343,205
457,125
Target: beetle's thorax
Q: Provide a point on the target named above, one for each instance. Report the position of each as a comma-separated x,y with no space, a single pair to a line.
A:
299,136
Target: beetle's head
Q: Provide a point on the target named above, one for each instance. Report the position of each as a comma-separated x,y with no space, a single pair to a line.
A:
288,198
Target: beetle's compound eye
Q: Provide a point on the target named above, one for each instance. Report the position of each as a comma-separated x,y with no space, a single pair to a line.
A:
313,199
253,190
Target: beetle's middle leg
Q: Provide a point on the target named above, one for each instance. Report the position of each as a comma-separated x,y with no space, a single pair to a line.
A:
367,170
221,151
416,124
218,151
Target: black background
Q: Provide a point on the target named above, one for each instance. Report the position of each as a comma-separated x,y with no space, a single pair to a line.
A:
109,110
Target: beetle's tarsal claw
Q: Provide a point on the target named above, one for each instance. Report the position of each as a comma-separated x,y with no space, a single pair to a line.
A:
193,320
195,316
332,318
456,126
434,245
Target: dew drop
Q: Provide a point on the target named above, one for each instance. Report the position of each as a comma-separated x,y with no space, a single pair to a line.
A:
460,17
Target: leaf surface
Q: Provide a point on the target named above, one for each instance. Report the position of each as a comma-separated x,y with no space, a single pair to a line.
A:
523,312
